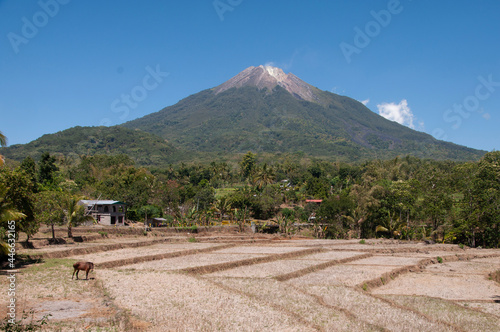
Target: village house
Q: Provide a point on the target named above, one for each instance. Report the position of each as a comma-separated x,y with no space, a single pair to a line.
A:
156,222
106,212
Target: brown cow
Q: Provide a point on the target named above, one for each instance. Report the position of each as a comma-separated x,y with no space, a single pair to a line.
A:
82,266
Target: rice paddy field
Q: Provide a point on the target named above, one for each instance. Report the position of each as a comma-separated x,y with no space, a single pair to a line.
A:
265,284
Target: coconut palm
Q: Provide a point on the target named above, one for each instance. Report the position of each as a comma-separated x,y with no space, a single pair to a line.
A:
74,214
3,139
264,176
7,213
3,142
222,206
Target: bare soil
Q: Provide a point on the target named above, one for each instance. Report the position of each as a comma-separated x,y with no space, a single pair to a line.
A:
241,283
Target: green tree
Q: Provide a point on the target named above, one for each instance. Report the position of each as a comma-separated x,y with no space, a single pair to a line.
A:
74,214
28,165
3,142
166,195
204,198
3,139
149,211
222,206
46,169
220,173
7,214
265,204
248,164
20,195
241,198
337,213
317,188
398,205
436,202
479,214
7,210
366,195
263,176
405,194
49,209
488,191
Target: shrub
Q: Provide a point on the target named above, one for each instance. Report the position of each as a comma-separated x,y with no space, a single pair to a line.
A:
439,259
362,241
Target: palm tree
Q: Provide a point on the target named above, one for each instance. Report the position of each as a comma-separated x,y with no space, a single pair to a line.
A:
264,176
3,139
3,142
7,213
74,214
222,206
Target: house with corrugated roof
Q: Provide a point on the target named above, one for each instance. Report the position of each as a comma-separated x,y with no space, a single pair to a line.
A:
106,212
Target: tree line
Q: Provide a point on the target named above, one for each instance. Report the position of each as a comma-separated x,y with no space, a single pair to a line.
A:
404,198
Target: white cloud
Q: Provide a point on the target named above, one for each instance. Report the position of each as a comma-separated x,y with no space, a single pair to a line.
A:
400,113
365,102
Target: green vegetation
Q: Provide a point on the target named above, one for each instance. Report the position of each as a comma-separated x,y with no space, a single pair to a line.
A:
247,119
68,145
48,208
403,198
206,125
439,259
3,142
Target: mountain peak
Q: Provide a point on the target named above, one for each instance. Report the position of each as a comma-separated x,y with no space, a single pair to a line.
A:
269,77
275,72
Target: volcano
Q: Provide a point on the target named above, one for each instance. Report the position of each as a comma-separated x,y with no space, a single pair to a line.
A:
263,109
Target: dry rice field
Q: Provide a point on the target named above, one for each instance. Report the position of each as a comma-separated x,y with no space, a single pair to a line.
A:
273,284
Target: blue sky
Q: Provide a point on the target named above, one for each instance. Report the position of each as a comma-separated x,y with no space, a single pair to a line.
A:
431,65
